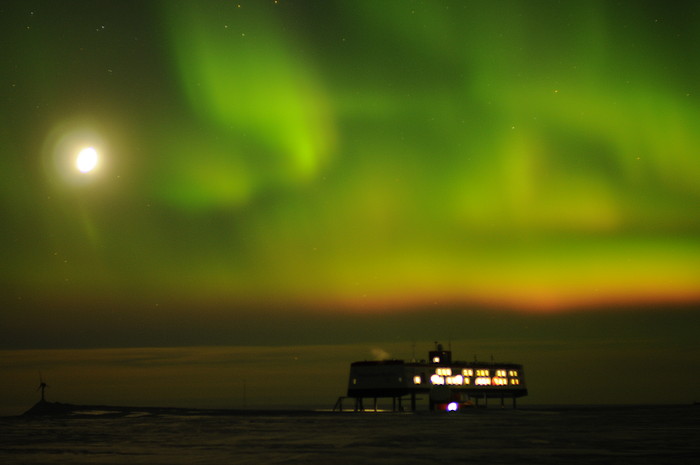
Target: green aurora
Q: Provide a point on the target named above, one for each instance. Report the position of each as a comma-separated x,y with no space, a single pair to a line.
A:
535,155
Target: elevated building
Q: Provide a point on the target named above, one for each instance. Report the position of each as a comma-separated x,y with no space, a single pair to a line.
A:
446,384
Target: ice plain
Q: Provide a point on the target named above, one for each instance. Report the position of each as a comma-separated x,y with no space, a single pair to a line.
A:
543,435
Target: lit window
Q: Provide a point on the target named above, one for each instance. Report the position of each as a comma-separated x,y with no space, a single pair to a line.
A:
482,373
354,381
444,371
436,359
467,380
454,379
501,373
482,381
468,372
513,373
514,381
417,379
499,381
437,379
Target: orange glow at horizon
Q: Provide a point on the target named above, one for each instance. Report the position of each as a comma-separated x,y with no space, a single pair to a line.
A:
526,301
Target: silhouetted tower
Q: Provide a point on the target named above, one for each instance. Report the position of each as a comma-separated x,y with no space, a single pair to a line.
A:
42,387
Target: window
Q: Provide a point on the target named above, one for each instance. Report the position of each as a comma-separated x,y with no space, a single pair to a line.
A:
501,373
437,379
482,373
483,381
454,379
444,371
513,373
417,379
467,372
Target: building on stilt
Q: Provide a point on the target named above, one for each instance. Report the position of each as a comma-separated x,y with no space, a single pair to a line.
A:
446,384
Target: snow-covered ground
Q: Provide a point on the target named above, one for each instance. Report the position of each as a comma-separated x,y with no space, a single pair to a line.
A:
634,435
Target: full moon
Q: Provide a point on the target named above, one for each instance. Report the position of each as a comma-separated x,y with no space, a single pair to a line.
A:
86,160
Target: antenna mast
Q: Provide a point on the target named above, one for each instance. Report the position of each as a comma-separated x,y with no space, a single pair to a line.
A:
42,387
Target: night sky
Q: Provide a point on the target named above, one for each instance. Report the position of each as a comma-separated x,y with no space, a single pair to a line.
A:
283,187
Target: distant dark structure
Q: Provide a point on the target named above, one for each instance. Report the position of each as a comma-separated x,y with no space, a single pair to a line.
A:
42,387
449,385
